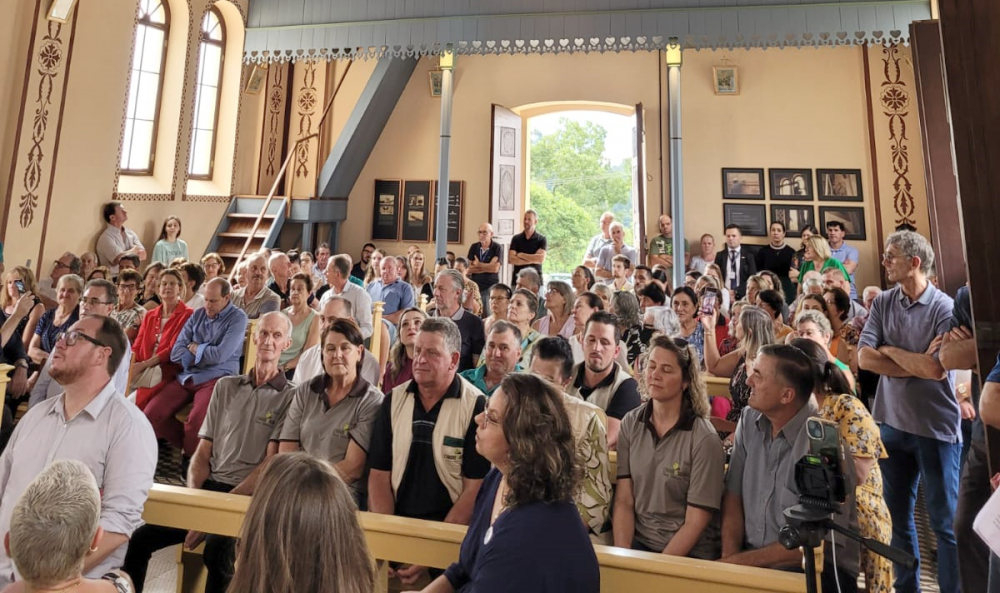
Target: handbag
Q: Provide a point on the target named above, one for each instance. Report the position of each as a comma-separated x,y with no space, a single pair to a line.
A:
149,378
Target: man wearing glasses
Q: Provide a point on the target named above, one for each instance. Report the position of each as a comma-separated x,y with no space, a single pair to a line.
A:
485,259
100,297
66,264
915,404
90,422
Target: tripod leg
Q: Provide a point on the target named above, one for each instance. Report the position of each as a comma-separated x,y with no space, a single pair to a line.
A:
812,582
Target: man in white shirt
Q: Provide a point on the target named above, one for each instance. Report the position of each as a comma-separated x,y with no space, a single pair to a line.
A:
707,256
599,241
338,271
605,259
116,240
311,360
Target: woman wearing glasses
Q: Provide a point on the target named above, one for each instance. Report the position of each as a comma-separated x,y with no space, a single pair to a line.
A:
525,533
670,461
331,417
157,333
499,302
53,321
129,313
559,298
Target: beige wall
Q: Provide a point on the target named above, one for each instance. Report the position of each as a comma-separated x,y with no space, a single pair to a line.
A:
801,108
15,31
408,147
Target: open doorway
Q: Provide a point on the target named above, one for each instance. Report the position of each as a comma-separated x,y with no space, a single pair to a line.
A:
580,165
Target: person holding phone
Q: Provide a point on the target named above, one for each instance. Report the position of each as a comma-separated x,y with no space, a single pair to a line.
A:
19,282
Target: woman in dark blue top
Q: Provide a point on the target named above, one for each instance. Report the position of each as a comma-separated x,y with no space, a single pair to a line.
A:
526,533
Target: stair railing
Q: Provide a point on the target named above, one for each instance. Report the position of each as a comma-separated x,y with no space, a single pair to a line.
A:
281,174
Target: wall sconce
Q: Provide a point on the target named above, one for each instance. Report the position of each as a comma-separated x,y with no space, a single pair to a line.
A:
674,52
447,59
60,10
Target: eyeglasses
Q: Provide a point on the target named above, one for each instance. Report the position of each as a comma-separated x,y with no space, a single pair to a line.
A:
71,338
889,256
58,264
128,287
490,418
94,302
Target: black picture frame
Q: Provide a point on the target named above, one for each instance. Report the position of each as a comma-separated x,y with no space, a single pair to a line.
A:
416,219
796,183
736,181
751,218
795,217
852,217
385,213
839,185
456,207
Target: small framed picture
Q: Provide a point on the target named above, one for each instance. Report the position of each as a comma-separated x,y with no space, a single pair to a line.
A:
727,80
255,83
791,184
435,83
852,217
751,218
839,185
743,184
795,218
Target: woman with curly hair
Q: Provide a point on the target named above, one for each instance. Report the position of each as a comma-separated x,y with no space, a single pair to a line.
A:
670,461
525,533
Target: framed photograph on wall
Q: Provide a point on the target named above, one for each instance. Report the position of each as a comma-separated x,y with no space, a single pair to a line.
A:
727,80
456,205
385,218
852,217
743,184
839,185
434,80
794,217
416,211
752,218
791,184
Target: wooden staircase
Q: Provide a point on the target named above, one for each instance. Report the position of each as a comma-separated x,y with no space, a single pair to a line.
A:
237,224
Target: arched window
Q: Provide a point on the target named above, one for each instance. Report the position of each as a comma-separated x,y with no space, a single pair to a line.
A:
207,95
146,82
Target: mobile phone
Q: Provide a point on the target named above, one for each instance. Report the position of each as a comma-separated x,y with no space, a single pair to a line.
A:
824,442
708,301
19,285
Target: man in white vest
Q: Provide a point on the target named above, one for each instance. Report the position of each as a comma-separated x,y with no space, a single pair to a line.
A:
423,457
599,379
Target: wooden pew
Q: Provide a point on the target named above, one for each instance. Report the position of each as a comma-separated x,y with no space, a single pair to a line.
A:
717,386
437,544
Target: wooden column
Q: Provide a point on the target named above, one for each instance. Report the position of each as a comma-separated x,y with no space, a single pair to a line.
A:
939,165
970,32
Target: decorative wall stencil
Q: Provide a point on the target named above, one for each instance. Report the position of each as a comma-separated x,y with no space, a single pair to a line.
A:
898,184
895,100
48,65
272,150
306,103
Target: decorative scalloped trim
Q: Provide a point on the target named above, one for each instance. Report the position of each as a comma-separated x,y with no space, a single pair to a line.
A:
593,44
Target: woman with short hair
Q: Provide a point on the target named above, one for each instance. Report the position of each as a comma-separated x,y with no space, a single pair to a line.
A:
331,416
670,461
151,286
158,332
813,325
817,256
53,527
521,312
559,297
399,369
300,500
69,289
525,533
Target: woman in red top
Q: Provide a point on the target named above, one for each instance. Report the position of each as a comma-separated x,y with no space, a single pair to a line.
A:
157,334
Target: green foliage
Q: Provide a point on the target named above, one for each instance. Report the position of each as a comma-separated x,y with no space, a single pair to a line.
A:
571,185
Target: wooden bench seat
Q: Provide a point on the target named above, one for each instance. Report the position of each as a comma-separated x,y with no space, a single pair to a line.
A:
437,544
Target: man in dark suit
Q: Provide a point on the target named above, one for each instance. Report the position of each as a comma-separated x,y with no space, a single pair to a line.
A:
736,262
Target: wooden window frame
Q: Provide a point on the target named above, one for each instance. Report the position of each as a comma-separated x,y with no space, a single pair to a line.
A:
221,44
165,27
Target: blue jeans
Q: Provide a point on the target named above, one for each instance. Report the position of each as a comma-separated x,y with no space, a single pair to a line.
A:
910,457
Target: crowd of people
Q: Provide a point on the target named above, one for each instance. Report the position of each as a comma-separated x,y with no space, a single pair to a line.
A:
488,404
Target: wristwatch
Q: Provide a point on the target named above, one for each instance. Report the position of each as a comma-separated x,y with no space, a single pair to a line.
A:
21,363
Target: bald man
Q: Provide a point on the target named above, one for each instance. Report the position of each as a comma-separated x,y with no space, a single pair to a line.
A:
485,259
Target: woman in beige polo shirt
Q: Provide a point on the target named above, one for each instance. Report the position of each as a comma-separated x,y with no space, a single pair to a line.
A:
670,461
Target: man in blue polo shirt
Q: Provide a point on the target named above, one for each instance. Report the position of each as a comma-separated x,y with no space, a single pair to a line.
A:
915,404
842,252
396,294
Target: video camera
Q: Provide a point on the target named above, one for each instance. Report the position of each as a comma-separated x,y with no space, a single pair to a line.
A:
819,474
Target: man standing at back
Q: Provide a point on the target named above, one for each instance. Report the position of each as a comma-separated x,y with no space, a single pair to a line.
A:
915,404
423,457
116,240
598,241
605,260
842,252
527,248
322,259
90,422
661,247
736,263
485,260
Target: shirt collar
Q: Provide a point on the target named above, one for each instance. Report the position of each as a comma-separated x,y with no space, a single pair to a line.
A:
277,382
607,381
684,422
93,409
454,390
319,384
793,427
925,298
